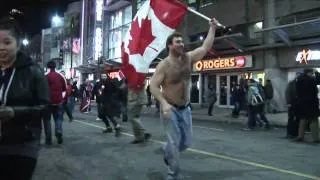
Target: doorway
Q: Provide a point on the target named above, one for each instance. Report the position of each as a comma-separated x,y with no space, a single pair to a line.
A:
225,85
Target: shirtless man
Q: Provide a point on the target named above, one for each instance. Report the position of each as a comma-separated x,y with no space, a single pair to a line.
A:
173,76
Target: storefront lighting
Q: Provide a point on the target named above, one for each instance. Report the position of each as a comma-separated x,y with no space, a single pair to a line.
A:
98,43
307,55
259,25
201,38
99,10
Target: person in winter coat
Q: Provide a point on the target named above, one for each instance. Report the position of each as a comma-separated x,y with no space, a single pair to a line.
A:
268,89
110,106
255,98
292,100
73,96
237,94
23,96
212,98
66,101
308,103
124,99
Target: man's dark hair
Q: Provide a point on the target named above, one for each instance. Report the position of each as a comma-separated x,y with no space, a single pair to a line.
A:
51,65
10,24
170,39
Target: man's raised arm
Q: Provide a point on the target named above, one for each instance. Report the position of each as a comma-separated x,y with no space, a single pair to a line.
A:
201,51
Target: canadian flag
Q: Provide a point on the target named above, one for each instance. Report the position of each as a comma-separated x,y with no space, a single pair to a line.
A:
146,37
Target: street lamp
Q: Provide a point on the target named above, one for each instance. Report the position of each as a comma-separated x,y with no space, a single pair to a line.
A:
25,42
56,21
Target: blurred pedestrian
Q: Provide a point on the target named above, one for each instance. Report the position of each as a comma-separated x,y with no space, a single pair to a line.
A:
57,89
292,102
268,89
110,106
212,98
23,95
308,103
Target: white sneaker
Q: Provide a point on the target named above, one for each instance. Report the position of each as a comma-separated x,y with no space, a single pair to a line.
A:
98,119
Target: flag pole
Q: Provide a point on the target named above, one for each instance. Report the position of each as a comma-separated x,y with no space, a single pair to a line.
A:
204,17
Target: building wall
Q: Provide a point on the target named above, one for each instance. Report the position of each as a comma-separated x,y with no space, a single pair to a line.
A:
233,12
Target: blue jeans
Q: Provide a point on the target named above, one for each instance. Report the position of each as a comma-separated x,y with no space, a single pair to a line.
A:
179,132
253,111
56,111
71,103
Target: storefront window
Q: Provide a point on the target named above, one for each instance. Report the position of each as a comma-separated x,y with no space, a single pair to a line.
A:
223,90
140,3
119,25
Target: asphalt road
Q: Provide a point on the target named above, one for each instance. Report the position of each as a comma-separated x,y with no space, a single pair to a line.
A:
219,151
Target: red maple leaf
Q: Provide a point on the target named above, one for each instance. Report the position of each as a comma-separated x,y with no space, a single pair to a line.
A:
141,36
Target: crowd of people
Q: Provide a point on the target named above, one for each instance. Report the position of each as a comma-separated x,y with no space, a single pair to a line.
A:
29,97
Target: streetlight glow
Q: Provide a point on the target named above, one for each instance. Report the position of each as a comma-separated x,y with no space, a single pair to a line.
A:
25,42
56,20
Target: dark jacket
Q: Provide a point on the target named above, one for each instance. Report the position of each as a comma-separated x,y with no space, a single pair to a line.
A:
308,102
238,94
110,98
27,95
291,93
123,91
268,90
97,90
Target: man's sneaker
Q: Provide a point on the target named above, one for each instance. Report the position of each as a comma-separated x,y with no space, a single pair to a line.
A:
117,131
298,139
137,141
108,130
48,142
59,138
247,129
98,119
147,136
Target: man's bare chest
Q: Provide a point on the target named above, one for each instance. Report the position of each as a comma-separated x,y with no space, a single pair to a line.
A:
178,73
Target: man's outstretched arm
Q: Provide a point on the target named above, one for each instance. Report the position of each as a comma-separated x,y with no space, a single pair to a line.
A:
201,51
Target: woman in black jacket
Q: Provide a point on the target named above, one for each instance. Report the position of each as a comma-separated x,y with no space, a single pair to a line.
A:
23,95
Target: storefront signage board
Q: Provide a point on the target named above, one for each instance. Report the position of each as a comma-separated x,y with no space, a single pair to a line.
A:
223,63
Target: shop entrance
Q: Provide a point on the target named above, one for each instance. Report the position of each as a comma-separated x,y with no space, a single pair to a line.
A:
225,83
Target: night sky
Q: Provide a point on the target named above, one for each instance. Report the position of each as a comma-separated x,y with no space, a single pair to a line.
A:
37,13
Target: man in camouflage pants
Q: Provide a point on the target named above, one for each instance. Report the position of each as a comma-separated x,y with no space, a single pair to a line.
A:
136,100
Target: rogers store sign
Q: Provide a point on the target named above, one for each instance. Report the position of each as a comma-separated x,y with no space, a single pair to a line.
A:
223,63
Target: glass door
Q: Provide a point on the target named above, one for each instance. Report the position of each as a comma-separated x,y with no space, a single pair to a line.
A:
232,84
225,86
223,90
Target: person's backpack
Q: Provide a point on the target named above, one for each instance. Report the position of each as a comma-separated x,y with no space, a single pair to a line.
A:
256,98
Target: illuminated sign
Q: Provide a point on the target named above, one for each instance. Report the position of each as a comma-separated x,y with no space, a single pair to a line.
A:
307,55
98,43
223,63
76,46
114,75
99,10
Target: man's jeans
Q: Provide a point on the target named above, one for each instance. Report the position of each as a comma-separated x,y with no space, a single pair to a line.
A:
179,132
56,111
71,103
253,111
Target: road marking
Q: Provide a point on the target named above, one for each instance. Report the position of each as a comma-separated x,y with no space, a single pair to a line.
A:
214,129
219,156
